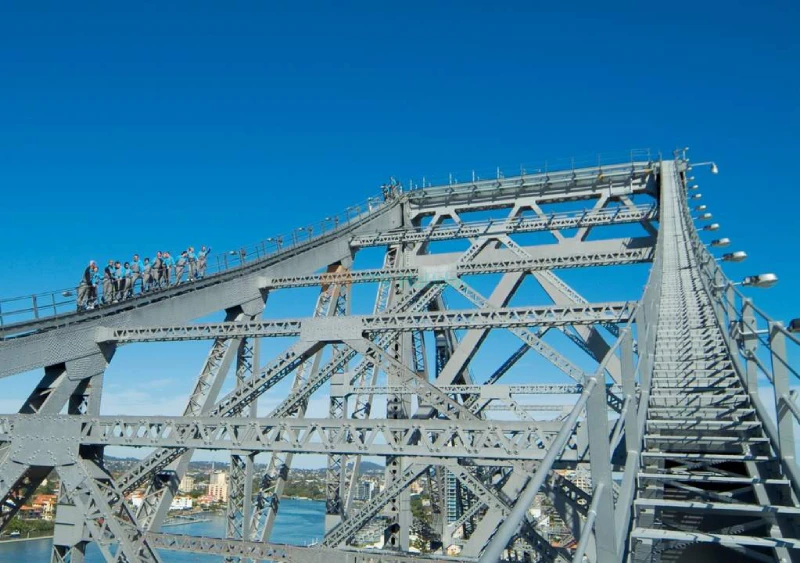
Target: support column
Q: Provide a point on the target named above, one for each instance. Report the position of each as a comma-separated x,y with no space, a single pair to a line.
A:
398,509
597,422
78,385
240,478
335,473
362,403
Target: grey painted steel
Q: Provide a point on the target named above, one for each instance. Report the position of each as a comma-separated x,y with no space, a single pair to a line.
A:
624,255
501,440
339,329
565,220
282,552
708,469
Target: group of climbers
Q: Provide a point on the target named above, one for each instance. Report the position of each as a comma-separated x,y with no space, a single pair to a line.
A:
122,280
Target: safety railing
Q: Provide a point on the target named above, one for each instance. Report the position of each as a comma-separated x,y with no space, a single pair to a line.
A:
636,362
533,168
63,302
765,352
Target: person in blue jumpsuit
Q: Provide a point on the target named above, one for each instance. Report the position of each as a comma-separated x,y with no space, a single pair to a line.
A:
147,275
96,279
180,267
157,271
202,261
167,268
192,257
108,283
119,282
84,289
127,280
137,271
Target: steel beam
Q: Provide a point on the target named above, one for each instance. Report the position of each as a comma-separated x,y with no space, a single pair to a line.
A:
468,267
467,437
560,221
328,329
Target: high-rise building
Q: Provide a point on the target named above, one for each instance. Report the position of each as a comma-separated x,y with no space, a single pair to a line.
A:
218,486
451,497
187,484
364,490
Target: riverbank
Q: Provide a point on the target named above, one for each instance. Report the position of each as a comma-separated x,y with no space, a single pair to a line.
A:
298,523
35,538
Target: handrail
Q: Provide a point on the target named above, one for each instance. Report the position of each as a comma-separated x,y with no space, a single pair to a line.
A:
758,348
543,168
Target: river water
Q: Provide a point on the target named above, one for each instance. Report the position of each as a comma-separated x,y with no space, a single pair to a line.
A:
299,522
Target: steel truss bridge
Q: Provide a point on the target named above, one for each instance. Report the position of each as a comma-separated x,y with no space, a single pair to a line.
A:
677,404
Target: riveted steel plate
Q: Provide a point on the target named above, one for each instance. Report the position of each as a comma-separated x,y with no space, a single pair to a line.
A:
45,440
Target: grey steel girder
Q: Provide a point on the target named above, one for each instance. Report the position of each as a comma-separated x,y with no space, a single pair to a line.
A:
532,340
562,185
483,391
87,487
496,439
567,251
584,259
338,329
58,387
285,553
564,220
242,463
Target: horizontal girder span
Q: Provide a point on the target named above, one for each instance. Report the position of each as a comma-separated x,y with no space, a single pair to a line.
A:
487,391
334,329
553,186
556,221
468,438
458,269
280,552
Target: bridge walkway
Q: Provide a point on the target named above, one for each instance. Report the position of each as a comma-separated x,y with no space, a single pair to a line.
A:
710,488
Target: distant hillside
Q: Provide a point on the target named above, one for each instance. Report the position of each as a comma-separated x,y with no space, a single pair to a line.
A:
369,467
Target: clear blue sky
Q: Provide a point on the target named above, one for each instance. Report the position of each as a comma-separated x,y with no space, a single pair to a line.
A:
129,129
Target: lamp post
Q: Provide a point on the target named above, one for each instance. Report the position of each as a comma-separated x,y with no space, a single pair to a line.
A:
738,256
714,167
761,280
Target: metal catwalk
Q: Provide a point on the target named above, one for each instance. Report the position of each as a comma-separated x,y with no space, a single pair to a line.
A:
653,442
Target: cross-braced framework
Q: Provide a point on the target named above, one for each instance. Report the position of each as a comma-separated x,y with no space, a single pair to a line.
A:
648,437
